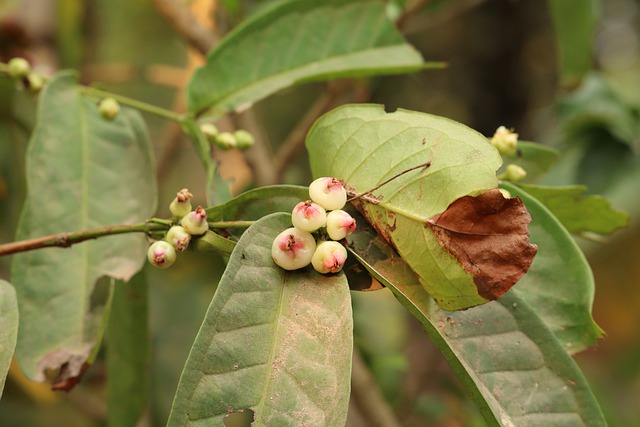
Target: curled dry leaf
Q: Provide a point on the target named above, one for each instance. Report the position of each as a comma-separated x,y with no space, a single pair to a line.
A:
489,236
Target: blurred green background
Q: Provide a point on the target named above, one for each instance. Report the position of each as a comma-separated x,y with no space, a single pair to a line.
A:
503,69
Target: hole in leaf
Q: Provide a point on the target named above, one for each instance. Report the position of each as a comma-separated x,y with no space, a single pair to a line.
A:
242,418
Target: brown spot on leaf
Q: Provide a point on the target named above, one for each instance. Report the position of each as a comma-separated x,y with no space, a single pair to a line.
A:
64,369
489,236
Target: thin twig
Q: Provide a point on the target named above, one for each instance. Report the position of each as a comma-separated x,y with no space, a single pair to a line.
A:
64,240
354,196
368,397
186,25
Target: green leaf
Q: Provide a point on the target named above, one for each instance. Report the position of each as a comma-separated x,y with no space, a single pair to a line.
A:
276,342
82,172
535,158
365,146
578,212
299,41
128,352
574,23
510,365
559,286
9,329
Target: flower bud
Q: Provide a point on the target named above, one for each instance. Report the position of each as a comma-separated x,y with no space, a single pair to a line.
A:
308,216
181,205
513,173
329,257
328,192
293,248
161,254
18,68
340,224
244,139
34,82
178,237
505,141
226,140
195,222
109,108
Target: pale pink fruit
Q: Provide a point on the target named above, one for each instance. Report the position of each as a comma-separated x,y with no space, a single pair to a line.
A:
328,192
329,257
308,216
340,224
293,248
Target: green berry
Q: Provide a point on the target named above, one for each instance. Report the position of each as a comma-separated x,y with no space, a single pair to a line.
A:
308,216
293,249
226,140
329,257
34,82
513,173
505,141
210,131
195,222
161,254
181,205
244,139
109,108
328,192
18,68
178,237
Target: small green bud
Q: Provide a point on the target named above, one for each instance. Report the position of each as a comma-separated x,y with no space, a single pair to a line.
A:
195,222
109,108
244,139
181,205
161,254
34,82
18,68
178,237
505,141
226,140
210,131
513,173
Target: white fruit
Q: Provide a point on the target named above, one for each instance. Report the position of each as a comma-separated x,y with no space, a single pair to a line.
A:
178,237
329,257
161,254
293,249
340,224
308,216
328,192
195,222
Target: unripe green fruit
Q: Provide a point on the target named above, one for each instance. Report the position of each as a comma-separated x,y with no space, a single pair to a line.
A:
109,108
181,205
308,216
329,257
18,68
34,82
293,248
244,139
178,237
328,192
226,141
505,141
513,173
210,131
340,224
195,222
161,254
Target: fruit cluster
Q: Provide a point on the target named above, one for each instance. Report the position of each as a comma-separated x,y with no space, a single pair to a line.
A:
162,253
296,247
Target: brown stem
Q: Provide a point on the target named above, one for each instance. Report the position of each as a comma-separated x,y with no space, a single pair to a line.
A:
353,196
64,240
186,25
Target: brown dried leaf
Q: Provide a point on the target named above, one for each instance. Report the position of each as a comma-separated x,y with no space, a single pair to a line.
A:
489,237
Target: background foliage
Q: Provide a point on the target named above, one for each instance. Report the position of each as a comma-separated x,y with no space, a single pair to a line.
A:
503,69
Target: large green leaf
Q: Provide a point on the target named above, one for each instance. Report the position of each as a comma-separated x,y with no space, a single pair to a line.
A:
276,342
574,23
364,146
9,329
509,363
297,41
579,212
128,352
559,286
82,172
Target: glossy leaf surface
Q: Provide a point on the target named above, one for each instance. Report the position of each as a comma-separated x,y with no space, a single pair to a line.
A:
80,166
276,342
298,41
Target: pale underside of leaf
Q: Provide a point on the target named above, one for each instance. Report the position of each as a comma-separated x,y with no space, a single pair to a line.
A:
299,41
276,342
82,172
9,329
